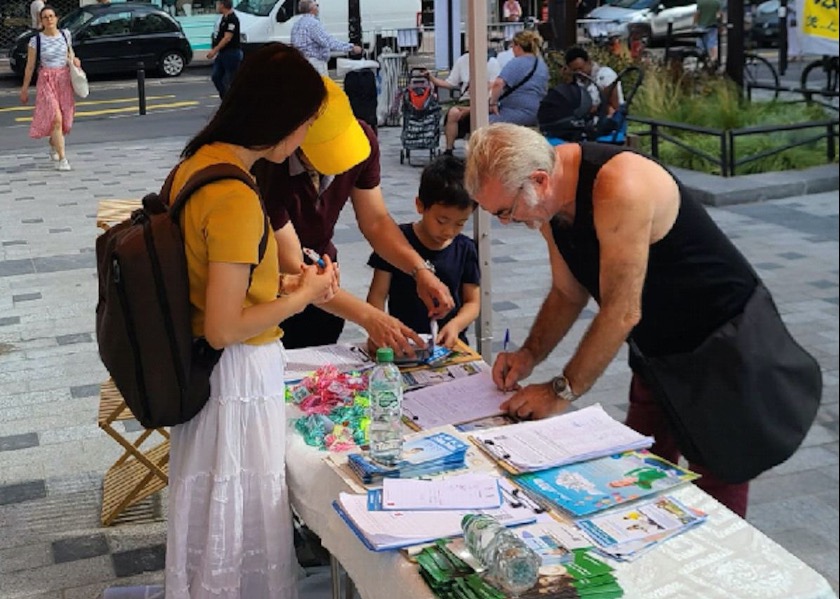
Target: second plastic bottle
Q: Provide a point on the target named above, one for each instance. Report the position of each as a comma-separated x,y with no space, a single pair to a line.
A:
510,563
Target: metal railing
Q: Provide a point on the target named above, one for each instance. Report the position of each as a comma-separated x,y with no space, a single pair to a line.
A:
727,159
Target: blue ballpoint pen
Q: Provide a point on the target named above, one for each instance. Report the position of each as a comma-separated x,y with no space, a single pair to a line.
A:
506,342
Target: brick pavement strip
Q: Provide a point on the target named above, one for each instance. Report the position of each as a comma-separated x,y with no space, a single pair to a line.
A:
53,457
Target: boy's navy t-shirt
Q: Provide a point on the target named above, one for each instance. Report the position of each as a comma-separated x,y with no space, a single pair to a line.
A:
455,265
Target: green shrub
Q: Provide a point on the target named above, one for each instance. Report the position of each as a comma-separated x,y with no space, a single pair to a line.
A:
716,103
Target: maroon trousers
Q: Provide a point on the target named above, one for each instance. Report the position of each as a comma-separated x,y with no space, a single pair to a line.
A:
646,416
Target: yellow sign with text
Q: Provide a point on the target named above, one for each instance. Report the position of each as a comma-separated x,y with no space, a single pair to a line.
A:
820,18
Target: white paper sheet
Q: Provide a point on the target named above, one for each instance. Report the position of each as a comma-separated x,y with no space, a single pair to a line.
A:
306,360
572,437
462,492
454,402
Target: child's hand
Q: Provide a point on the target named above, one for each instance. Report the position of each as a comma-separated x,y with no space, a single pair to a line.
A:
319,284
448,335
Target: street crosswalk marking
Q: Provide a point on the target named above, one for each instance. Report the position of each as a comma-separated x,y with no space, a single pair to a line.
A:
107,111
88,103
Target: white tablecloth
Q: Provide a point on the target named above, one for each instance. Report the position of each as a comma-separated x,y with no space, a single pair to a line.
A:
723,558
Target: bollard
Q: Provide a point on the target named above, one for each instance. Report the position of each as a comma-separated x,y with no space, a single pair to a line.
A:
141,87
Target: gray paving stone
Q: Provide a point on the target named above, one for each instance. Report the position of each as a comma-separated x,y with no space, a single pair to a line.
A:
137,561
24,491
77,548
22,441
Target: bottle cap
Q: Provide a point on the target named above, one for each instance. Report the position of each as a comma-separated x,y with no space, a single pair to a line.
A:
384,354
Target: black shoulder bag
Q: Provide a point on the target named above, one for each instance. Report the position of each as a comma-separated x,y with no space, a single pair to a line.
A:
509,90
744,399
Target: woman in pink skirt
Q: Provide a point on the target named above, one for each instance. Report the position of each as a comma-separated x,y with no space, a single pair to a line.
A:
54,102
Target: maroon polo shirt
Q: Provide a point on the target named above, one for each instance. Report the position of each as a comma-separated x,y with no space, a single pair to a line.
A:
289,195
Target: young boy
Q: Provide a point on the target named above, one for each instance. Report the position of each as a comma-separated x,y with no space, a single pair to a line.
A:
444,207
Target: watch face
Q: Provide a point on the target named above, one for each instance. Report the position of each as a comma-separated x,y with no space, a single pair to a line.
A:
558,384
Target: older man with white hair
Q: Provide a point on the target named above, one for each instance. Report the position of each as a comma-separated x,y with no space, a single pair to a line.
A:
622,230
313,41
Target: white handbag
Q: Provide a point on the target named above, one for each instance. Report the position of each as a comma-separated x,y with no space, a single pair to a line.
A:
78,78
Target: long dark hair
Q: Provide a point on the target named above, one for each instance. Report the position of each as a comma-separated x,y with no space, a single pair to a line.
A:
274,92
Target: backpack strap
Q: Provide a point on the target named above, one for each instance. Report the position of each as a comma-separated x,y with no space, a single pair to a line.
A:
207,175
37,51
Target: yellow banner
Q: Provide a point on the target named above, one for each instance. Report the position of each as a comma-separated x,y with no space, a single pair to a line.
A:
820,18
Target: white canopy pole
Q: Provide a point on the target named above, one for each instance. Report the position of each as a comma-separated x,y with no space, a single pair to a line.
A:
479,99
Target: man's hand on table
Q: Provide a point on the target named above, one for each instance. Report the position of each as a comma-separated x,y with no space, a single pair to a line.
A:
534,402
434,294
386,331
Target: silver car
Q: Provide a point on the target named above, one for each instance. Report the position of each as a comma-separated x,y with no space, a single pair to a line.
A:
614,18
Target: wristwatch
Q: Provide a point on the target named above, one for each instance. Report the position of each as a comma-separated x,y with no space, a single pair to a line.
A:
426,265
562,389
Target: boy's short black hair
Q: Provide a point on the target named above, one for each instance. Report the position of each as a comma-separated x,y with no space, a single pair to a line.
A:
442,182
574,53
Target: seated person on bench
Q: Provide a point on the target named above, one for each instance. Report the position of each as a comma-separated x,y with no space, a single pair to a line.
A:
457,124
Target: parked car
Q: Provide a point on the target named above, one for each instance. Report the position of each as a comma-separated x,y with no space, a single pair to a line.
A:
113,38
765,23
616,16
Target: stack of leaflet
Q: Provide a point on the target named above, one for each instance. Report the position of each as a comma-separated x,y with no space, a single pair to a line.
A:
627,533
423,456
450,571
585,434
585,488
381,528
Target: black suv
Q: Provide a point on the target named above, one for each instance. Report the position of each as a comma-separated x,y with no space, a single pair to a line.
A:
113,38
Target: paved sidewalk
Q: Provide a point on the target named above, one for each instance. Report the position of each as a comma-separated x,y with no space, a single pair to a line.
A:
53,456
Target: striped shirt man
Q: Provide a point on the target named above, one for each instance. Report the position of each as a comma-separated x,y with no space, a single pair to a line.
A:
313,41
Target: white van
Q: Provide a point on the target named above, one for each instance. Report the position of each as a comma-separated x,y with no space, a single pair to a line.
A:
263,21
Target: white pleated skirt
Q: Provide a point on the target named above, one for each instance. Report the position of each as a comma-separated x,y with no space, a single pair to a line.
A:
230,525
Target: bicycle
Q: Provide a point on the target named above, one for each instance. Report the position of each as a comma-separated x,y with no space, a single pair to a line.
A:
828,88
757,69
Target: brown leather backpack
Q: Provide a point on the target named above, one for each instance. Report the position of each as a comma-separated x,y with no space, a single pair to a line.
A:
143,324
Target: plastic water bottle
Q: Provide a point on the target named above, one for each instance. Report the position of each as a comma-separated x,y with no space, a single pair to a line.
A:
510,563
386,394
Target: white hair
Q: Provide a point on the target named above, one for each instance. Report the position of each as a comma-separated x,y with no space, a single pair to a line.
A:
507,153
305,6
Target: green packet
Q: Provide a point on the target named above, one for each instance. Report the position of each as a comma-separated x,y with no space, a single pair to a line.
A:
585,565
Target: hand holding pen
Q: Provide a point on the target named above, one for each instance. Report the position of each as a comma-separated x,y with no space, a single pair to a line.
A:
511,367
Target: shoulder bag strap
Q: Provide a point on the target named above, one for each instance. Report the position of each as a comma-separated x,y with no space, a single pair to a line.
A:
509,90
211,174
70,54
37,50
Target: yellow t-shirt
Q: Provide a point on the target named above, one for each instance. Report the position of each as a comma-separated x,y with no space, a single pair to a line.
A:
224,222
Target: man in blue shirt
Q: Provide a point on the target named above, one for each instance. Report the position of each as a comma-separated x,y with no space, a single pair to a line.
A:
313,41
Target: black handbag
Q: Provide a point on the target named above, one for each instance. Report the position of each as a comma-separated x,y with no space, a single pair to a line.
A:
743,401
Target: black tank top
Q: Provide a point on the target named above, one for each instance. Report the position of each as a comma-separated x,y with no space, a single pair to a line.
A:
696,278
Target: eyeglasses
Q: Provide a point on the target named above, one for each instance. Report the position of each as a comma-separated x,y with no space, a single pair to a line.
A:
506,214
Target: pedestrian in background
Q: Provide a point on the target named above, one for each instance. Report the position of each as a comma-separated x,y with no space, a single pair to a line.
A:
310,37
230,525
35,13
226,52
794,48
55,104
707,21
511,11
